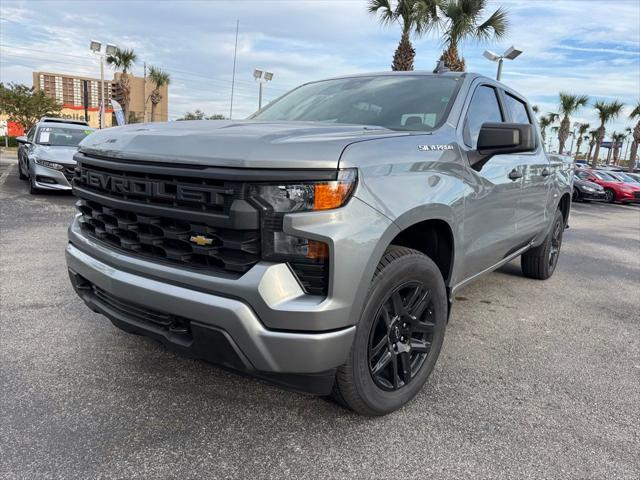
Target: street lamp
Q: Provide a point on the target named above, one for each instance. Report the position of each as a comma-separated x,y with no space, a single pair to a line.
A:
109,49
510,54
259,75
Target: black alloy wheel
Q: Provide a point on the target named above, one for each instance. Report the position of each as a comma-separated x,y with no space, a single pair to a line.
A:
609,195
556,243
401,336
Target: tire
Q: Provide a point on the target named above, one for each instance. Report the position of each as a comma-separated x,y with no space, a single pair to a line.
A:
540,262
33,190
21,175
609,195
576,195
407,279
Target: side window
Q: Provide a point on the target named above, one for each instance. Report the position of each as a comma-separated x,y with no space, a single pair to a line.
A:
484,108
31,134
517,109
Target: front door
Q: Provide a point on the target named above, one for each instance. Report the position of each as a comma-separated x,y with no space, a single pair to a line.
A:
493,192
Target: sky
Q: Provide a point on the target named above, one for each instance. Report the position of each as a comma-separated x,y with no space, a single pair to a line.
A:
587,47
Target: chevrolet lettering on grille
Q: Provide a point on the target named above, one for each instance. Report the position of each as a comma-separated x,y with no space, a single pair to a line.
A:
151,189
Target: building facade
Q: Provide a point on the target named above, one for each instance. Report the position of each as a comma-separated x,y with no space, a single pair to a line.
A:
69,90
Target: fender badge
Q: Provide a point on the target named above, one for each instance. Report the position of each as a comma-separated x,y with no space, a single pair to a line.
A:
434,148
201,240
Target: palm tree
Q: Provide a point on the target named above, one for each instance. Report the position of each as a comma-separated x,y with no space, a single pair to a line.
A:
592,142
569,104
582,130
159,78
535,109
617,140
414,16
606,113
462,20
545,122
123,60
635,114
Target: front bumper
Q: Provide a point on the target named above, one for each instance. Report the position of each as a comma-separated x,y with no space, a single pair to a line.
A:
592,195
49,179
261,323
628,197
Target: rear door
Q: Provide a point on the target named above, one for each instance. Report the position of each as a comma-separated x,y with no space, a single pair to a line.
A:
536,176
492,198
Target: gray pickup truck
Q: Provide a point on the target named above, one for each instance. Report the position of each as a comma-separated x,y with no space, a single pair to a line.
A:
318,244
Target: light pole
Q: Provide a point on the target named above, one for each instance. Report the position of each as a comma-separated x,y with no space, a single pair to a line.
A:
258,75
109,49
510,54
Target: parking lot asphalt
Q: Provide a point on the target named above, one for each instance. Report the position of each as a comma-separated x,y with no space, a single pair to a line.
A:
535,380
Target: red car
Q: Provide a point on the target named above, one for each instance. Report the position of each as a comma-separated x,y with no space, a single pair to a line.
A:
614,189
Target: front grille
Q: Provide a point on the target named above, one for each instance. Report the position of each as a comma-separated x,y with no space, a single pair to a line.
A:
178,218
69,173
170,239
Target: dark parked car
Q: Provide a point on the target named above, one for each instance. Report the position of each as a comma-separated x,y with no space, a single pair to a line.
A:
615,190
584,190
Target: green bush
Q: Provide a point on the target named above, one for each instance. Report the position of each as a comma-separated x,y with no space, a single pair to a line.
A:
12,142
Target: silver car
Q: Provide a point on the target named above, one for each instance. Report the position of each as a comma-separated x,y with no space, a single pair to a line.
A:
45,155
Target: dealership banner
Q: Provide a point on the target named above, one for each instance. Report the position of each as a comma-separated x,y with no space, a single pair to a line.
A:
117,109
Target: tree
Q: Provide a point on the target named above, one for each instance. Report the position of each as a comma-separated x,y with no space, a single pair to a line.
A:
462,20
593,134
606,113
414,16
545,122
569,104
617,141
25,105
200,115
123,60
159,78
635,114
535,109
582,131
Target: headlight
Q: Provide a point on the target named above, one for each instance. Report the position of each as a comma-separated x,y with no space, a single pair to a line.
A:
279,199
53,165
588,189
301,197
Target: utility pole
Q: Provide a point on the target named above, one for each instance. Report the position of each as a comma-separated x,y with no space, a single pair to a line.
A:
233,78
144,108
102,111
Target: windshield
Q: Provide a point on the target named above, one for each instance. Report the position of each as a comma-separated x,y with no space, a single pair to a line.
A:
605,177
408,102
61,136
623,177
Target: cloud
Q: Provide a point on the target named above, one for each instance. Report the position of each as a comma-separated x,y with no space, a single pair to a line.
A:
568,45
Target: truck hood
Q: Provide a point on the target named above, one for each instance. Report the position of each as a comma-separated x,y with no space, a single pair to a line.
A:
247,144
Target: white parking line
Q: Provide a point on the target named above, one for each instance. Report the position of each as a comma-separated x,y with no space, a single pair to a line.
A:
6,173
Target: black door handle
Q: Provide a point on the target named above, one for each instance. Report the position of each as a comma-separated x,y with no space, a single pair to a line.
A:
546,172
515,174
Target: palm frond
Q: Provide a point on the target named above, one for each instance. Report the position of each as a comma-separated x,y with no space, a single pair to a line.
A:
494,27
635,113
383,10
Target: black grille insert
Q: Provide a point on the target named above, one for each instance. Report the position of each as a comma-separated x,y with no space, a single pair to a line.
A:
185,243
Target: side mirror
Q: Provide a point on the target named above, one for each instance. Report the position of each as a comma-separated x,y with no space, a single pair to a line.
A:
502,138
23,140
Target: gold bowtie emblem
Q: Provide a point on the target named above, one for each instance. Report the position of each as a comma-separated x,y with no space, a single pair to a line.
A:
201,240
